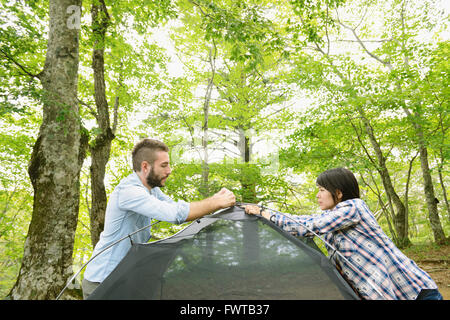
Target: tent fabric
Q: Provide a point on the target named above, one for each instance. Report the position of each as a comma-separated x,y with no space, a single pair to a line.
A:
228,255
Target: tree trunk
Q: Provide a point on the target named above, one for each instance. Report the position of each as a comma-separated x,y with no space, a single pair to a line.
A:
408,179
55,164
100,151
250,173
204,187
433,216
444,190
387,214
399,217
101,146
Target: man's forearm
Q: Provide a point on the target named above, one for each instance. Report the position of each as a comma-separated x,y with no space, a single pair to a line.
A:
198,209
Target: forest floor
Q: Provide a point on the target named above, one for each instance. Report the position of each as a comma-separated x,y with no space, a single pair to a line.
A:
435,260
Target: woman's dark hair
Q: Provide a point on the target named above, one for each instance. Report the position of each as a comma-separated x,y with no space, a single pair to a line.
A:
339,179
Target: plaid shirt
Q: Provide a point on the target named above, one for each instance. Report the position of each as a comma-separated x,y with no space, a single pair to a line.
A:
353,230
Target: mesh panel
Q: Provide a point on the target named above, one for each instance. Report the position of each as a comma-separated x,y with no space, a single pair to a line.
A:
244,260
226,259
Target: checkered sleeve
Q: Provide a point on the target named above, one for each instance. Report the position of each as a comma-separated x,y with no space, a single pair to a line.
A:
344,215
291,223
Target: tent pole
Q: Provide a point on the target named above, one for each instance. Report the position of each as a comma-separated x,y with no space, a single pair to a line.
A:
93,257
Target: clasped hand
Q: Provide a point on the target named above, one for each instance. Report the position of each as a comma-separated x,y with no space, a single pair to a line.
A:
225,198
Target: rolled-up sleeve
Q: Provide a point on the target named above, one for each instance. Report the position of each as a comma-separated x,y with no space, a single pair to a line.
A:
138,200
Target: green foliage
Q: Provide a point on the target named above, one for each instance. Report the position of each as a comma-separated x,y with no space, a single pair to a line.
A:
16,194
289,89
22,29
242,25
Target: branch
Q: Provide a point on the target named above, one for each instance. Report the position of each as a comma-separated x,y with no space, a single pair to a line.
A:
361,43
10,58
317,46
362,144
200,8
91,110
402,16
220,135
226,150
362,18
273,113
326,33
116,102
191,132
366,40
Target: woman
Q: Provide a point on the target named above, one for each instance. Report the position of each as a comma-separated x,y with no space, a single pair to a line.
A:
382,270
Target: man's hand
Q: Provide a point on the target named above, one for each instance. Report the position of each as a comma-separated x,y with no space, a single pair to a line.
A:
222,199
225,198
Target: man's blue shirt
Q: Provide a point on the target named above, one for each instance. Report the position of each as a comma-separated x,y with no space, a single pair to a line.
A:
131,206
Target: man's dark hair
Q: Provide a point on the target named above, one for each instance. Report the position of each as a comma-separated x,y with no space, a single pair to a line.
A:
145,150
339,179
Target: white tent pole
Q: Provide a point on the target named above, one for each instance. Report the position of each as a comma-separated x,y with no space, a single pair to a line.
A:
96,255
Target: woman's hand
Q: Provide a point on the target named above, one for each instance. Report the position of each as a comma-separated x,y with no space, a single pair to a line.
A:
252,209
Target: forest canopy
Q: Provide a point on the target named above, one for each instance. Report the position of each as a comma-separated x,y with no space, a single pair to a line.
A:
253,95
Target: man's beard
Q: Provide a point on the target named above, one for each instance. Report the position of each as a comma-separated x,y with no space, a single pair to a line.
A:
153,180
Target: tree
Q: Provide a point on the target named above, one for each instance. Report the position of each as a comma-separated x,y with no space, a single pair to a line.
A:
344,83
110,75
384,92
16,193
243,91
403,63
436,82
100,147
55,162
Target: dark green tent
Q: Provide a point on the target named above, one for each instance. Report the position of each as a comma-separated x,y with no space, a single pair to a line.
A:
227,255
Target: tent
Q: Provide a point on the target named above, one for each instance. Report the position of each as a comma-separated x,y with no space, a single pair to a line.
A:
226,255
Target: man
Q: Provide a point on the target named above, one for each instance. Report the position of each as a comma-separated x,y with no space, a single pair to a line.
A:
138,199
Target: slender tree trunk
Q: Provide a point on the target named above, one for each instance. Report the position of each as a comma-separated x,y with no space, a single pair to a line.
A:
204,187
444,190
55,164
384,211
408,178
250,173
433,215
101,146
399,217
